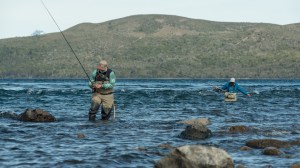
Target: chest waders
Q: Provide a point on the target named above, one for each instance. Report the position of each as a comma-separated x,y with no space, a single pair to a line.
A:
93,110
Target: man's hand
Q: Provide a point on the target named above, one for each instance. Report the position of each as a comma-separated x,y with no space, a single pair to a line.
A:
97,86
249,95
216,88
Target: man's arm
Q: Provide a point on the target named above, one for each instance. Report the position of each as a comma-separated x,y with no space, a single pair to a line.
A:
92,78
112,81
224,87
241,89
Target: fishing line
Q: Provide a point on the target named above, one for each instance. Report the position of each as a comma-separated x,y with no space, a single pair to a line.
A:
67,41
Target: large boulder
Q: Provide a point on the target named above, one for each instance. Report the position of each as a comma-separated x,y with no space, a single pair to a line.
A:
192,156
36,115
195,132
263,143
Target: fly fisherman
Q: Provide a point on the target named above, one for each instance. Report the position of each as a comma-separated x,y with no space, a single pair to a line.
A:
230,89
102,82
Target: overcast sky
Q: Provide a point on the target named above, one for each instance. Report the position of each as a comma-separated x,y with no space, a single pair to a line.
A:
23,17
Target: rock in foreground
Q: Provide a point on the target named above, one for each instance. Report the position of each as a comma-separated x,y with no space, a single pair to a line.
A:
190,156
36,115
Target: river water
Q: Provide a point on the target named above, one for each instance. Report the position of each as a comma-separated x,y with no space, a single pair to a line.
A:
147,112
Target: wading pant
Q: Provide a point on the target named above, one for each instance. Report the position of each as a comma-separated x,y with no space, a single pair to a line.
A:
106,101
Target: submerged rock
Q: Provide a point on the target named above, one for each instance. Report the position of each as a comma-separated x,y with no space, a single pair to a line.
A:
296,165
166,146
10,115
195,132
240,166
36,115
245,148
196,156
272,151
238,129
296,142
80,135
263,143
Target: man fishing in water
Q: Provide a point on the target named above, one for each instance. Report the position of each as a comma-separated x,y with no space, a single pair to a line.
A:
102,82
230,89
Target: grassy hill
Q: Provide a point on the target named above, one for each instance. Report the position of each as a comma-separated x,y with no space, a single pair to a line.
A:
158,46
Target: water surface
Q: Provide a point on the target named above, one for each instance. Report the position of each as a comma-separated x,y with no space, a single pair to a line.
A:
146,117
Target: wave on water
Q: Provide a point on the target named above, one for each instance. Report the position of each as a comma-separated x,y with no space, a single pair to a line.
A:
147,116
9,115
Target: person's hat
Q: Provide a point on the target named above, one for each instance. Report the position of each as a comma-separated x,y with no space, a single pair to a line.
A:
232,80
102,65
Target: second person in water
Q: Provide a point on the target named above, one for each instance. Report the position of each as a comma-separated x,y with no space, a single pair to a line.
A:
231,88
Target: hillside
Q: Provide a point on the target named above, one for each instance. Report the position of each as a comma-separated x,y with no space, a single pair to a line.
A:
158,46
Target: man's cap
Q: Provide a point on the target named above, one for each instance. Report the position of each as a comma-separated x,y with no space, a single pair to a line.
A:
232,80
102,65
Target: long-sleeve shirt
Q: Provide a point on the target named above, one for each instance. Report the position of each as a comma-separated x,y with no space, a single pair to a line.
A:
108,85
236,87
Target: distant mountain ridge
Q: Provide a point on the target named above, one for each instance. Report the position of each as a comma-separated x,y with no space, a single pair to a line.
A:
158,46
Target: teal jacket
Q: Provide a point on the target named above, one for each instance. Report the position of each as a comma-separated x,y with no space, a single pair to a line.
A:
109,85
236,87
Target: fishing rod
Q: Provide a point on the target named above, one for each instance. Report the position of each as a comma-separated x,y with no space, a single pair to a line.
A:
217,88
114,107
66,41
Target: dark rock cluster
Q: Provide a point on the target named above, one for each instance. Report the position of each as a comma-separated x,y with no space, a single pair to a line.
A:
36,115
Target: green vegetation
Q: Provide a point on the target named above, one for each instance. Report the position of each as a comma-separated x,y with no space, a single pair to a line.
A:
158,46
